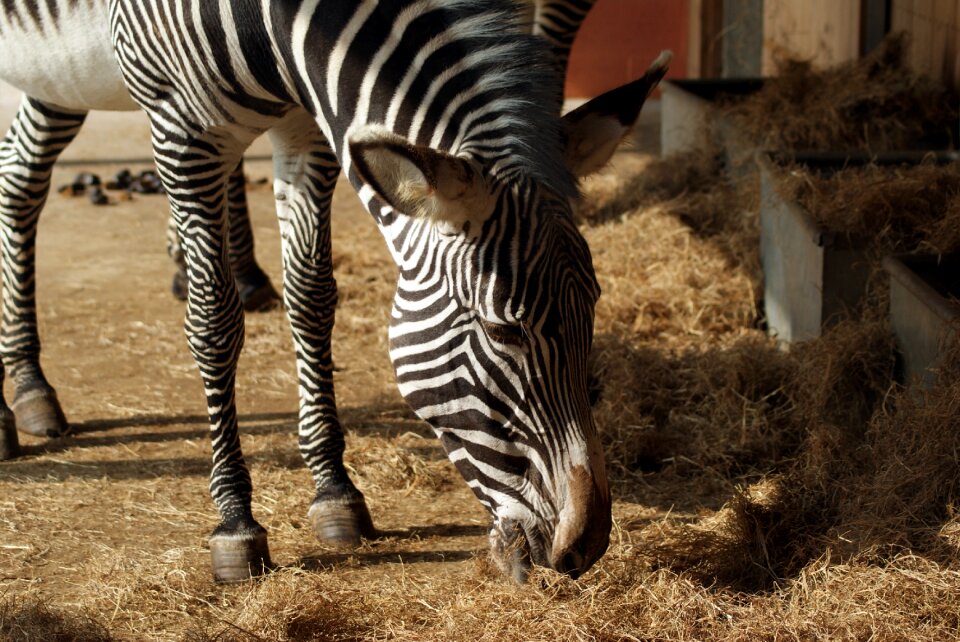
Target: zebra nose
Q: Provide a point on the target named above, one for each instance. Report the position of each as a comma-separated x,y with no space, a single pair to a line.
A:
583,528
571,563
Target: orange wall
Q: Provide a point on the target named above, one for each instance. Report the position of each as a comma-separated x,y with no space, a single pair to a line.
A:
620,38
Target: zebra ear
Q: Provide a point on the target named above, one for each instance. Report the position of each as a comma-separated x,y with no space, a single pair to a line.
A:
595,129
421,181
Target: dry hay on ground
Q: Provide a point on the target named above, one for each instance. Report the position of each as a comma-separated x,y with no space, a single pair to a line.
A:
760,494
872,104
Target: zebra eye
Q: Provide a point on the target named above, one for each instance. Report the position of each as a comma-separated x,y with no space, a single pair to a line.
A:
509,334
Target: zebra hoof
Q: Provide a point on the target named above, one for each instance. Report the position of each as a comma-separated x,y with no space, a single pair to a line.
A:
239,557
38,413
341,524
258,294
9,443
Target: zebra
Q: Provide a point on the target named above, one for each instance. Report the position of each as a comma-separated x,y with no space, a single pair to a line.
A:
557,21
443,115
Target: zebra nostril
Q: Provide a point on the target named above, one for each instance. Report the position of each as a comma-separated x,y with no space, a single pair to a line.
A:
571,564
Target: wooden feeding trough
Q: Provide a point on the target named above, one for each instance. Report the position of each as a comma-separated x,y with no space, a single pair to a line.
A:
924,310
690,118
812,276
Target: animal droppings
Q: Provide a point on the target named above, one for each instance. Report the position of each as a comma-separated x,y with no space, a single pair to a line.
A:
86,178
146,182
97,196
72,189
257,183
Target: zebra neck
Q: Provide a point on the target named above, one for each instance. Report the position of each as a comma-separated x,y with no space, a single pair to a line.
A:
455,75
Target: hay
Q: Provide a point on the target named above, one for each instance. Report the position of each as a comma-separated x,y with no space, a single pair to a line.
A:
887,209
907,494
760,494
866,492
771,529
28,619
872,104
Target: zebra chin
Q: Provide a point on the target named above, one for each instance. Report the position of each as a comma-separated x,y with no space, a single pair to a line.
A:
580,533
514,550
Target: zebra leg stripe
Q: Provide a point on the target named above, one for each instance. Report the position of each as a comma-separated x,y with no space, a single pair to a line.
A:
38,135
256,291
306,172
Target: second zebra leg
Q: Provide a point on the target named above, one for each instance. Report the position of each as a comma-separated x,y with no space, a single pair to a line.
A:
215,329
306,172
27,155
256,291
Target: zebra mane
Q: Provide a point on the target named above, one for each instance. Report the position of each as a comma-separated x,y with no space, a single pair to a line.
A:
519,69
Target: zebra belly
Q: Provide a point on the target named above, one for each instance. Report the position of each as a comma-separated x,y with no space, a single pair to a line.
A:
66,59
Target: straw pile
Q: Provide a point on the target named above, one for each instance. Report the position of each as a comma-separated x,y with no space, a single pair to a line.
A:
872,104
759,494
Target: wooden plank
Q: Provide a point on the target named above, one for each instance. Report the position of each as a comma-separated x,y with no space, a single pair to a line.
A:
954,78
620,38
934,29
742,41
921,31
711,38
825,32
942,22
695,38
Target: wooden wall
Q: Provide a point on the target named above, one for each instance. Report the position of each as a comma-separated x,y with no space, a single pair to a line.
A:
620,38
934,26
826,32
738,37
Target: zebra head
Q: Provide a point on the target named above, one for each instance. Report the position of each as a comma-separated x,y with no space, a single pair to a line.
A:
492,327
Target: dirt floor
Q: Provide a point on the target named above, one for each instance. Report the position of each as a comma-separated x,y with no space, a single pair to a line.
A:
103,534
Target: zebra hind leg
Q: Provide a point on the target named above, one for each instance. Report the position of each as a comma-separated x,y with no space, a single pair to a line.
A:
257,293
36,138
306,172
215,329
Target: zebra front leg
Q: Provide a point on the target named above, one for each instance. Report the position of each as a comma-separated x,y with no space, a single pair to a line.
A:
306,172
38,135
256,291
214,326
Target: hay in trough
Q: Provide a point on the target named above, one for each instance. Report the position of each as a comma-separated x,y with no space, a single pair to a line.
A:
889,209
872,104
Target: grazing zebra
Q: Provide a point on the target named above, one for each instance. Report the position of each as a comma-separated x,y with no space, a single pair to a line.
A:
557,21
443,115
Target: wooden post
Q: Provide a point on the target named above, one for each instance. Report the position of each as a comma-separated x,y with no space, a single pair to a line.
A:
706,39
743,37
874,23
